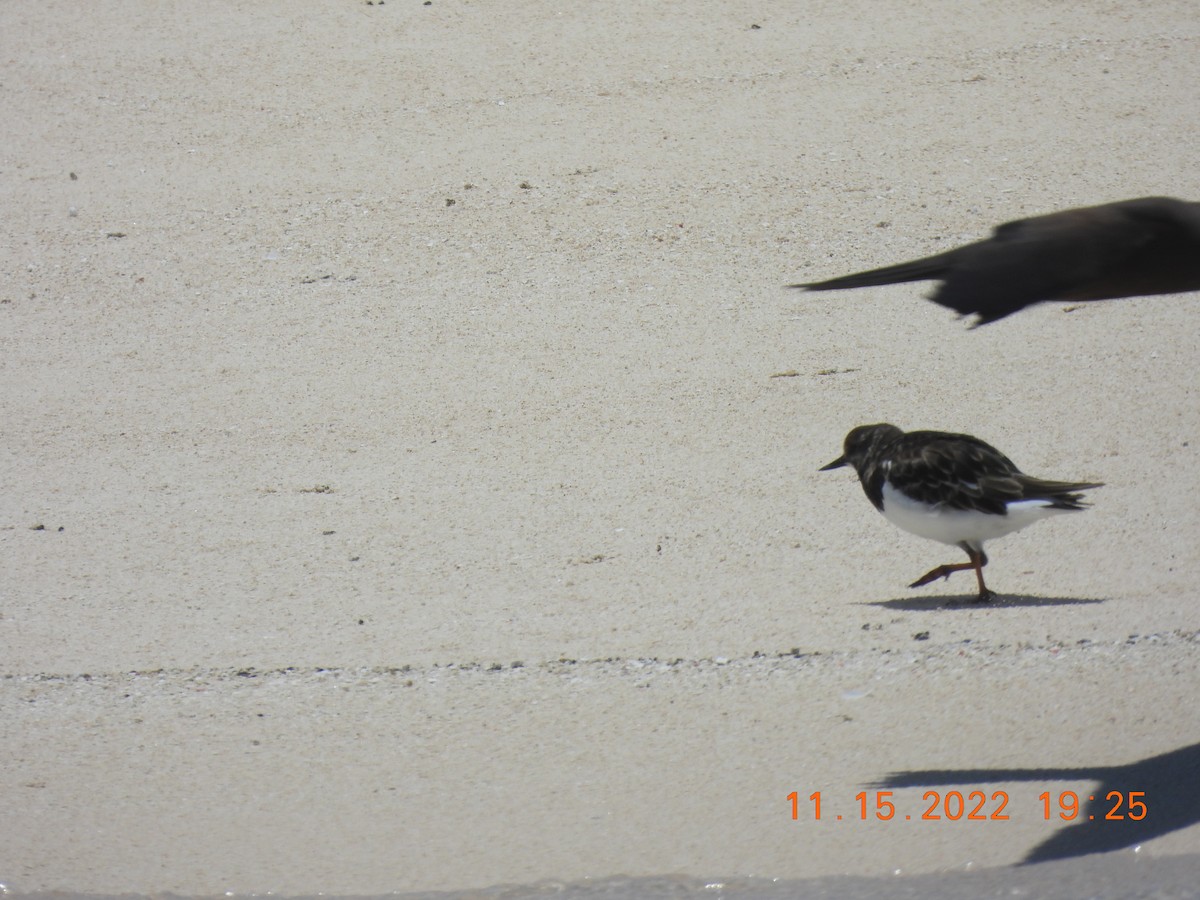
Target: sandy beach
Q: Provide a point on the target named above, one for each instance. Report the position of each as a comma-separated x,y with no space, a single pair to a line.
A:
410,452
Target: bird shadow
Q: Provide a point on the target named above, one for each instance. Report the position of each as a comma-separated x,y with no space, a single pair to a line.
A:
969,602
1169,784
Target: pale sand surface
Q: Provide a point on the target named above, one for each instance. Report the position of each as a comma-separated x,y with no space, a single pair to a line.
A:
300,457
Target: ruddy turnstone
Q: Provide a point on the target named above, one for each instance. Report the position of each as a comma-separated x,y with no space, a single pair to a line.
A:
1132,248
952,488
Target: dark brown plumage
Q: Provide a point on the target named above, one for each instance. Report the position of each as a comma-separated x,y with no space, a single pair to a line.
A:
1128,249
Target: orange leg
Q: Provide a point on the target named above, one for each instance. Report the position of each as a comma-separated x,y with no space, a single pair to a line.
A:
978,561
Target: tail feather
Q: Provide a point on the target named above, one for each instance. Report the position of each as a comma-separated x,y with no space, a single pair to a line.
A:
1061,494
916,270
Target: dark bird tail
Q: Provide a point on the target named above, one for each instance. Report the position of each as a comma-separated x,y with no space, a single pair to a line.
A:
917,270
1061,494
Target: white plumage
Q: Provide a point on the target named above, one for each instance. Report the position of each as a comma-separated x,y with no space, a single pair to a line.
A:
957,526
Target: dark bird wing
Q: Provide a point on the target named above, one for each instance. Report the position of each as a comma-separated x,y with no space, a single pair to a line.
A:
1132,248
963,472
957,470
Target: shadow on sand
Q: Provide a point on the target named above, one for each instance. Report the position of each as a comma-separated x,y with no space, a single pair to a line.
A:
1170,784
1000,601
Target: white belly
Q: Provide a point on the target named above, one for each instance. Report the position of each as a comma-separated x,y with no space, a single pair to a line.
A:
953,526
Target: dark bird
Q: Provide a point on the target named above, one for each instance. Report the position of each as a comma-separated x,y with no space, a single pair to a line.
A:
952,488
1132,248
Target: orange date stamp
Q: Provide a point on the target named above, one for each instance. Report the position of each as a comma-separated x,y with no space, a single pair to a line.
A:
972,806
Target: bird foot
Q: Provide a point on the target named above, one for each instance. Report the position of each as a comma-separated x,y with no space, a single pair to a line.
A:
947,570
940,572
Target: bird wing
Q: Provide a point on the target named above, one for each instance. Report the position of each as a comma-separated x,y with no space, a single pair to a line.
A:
955,470
1065,255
